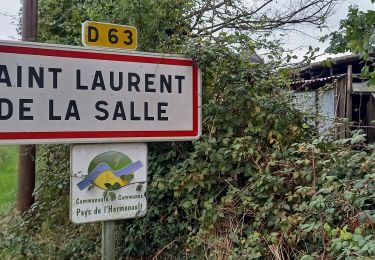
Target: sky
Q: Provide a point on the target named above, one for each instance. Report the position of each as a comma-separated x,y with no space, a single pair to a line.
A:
298,42
8,19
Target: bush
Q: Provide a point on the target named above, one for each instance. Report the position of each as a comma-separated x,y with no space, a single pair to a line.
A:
257,184
45,231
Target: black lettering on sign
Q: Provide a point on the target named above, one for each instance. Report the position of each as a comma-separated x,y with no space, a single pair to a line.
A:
132,83
149,81
23,108
132,115
119,111
129,35
147,117
4,75
7,113
102,110
165,83
179,79
112,81
98,81
19,76
54,76
78,78
112,37
51,115
72,110
37,77
92,34
162,111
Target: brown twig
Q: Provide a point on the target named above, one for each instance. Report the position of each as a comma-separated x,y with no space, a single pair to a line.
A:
161,250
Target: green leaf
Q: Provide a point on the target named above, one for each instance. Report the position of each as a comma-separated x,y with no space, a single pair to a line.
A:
161,186
348,195
186,204
327,227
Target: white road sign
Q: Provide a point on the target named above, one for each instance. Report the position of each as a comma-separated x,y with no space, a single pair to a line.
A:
56,94
108,182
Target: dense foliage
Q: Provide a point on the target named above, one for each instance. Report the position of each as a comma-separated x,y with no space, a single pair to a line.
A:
66,29
357,35
8,166
45,231
259,183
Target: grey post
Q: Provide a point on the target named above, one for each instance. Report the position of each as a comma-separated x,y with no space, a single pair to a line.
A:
108,240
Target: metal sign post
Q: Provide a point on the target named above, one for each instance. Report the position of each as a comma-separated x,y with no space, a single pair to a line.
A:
108,240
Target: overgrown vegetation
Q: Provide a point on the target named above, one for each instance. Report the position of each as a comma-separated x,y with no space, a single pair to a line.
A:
259,183
8,176
357,35
46,231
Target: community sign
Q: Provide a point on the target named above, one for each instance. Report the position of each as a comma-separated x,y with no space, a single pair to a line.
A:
65,94
108,182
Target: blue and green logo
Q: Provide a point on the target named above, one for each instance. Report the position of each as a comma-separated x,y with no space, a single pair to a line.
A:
110,171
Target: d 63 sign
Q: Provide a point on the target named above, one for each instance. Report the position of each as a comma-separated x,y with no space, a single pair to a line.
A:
55,94
109,35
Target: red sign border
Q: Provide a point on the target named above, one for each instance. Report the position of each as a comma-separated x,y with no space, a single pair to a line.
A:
95,54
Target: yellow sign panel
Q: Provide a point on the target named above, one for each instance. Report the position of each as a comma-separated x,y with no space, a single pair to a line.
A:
109,35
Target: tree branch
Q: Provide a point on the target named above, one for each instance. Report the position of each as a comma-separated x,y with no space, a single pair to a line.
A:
257,18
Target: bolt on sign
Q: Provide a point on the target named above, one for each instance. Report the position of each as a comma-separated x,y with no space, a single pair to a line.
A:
108,182
65,94
109,35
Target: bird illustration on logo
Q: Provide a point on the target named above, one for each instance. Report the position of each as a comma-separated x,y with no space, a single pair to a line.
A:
110,171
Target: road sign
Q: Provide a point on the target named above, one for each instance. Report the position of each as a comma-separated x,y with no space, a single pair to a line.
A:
108,182
57,94
109,35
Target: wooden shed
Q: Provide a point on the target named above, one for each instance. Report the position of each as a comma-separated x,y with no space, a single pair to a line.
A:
336,91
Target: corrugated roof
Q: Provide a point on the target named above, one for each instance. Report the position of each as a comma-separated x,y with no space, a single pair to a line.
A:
339,59
310,81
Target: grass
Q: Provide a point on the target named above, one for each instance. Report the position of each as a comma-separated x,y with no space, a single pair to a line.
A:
8,176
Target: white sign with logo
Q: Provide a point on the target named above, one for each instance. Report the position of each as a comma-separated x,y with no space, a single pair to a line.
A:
108,182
